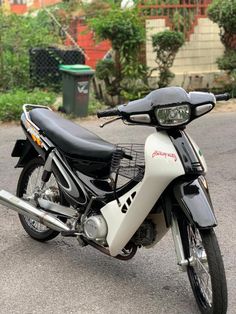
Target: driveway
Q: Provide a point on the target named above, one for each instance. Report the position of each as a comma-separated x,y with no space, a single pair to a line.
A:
61,277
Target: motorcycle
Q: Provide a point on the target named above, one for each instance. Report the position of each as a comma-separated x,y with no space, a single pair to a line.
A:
118,198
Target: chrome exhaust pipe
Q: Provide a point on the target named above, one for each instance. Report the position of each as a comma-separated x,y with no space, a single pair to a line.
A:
9,200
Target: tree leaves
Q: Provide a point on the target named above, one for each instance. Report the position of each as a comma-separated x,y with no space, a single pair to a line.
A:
18,35
223,12
126,32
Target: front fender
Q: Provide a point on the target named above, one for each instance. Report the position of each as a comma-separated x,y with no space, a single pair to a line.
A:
195,203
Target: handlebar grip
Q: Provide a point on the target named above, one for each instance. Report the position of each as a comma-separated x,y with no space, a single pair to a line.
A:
108,113
222,97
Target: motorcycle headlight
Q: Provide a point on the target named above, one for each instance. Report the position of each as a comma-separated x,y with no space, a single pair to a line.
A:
173,115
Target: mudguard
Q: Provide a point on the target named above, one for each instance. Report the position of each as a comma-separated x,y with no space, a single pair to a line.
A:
25,151
195,202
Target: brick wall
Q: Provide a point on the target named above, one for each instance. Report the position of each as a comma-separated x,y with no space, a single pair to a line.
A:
85,39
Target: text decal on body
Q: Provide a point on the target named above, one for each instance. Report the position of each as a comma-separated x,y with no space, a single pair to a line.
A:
158,153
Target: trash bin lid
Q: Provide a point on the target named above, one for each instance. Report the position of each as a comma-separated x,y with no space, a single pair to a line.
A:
76,68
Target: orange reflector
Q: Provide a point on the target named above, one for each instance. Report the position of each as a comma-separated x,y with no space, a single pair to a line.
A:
39,142
34,138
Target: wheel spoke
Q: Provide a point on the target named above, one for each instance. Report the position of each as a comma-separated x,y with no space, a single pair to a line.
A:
33,186
205,269
30,186
205,281
201,269
38,177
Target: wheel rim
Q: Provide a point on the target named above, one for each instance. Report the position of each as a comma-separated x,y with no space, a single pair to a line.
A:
199,269
33,189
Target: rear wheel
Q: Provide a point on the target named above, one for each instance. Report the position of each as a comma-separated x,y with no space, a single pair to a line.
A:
206,270
29,186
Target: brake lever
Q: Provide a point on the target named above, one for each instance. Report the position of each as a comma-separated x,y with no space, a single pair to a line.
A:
110,121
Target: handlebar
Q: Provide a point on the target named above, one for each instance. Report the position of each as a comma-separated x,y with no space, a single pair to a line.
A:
108,113
222,97
116,112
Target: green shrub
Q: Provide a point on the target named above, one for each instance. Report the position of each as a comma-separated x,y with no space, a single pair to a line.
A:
228,61
166,45
123,28
94,104
223,13
106,70
17,35
11,102
126,33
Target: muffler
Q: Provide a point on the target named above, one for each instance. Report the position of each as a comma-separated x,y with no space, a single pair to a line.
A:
9,200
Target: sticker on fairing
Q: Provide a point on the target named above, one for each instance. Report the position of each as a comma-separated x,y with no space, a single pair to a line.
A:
157,153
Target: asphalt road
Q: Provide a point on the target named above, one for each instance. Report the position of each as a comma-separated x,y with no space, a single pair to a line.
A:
61,277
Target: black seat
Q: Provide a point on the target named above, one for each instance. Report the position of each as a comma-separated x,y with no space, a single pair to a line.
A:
71,138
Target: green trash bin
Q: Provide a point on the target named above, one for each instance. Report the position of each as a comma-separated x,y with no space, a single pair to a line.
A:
75,88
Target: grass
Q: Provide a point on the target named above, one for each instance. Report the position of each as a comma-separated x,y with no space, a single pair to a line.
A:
11,102
95,104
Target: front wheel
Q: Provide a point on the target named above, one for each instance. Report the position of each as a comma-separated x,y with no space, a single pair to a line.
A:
206,270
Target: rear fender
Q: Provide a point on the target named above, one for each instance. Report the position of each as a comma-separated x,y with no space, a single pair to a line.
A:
25,151
194,201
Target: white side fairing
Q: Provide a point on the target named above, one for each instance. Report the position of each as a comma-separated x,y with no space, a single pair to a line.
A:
162,165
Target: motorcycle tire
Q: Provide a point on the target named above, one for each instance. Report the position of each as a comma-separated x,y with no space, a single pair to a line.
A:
211,296
34,229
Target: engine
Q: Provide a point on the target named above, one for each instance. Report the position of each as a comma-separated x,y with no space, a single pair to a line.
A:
145,235
95,228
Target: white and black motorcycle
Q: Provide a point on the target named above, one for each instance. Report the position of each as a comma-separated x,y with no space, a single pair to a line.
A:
118,198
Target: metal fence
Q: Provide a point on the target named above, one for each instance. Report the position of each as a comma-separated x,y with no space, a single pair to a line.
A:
45,62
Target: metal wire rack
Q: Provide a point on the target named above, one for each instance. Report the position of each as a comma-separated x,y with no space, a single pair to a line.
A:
128,161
